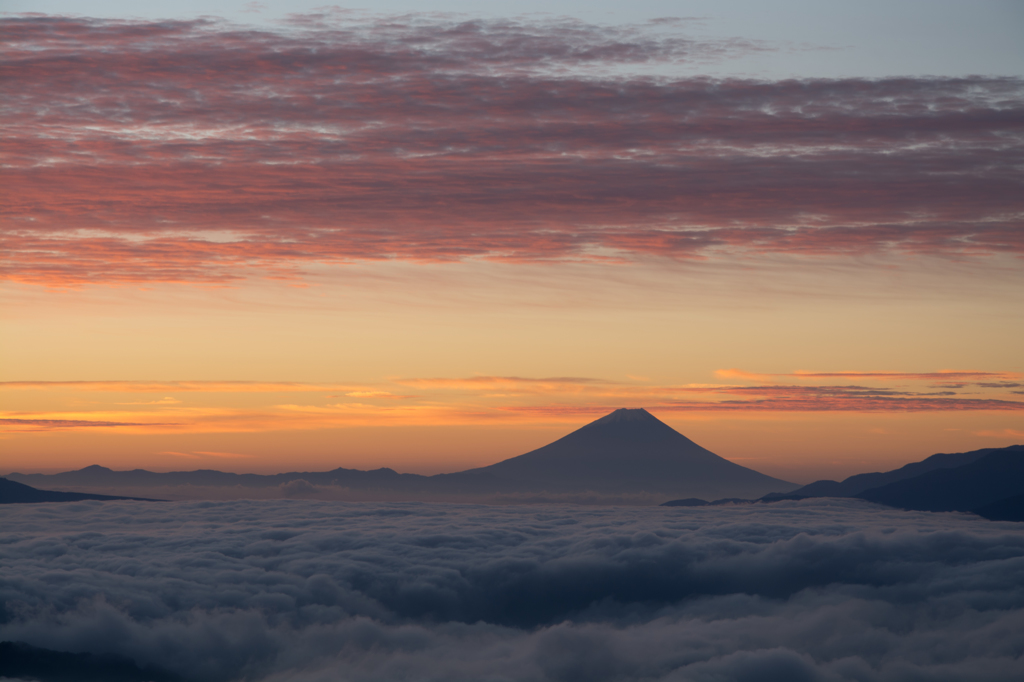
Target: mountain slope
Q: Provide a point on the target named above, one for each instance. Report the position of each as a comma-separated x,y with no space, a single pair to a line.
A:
12,492
854,485
997,476
1007,509
99,476
625,452
628,450
21,660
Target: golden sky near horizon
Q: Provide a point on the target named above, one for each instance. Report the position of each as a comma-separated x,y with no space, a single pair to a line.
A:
231,250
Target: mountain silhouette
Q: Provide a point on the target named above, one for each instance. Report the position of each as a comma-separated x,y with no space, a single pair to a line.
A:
629,450
625,452
99,476
854,485
21,660
12,492
1007,509
996,477
987,482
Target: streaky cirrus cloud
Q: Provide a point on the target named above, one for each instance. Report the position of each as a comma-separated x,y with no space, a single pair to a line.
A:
61,424
199,454
482,382
821,591
199,151
484,399
828,399
941,375
136,386
1004,433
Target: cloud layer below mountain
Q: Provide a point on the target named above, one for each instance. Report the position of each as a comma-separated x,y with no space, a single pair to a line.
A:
300,590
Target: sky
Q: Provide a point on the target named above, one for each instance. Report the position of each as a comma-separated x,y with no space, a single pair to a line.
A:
430,236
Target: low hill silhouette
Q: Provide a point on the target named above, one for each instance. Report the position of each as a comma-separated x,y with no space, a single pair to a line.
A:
854,485
996,477
988,482
21,660
100,476
12,492
629,451
1008,509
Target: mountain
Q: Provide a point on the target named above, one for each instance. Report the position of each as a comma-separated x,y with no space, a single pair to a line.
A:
98,476
12,492
987,482
854,485
628,451
1007,509
21,660
994,478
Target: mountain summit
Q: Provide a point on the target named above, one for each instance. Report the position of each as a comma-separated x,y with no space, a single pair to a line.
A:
625,415
630,450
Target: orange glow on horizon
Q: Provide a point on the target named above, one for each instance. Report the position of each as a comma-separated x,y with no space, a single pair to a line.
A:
452,253
202,412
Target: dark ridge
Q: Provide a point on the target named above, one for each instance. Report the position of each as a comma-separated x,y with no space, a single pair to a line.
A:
382,478
997,476
20,660
818,489
854,485
1008,509
778,497
626,451
12,492
694,502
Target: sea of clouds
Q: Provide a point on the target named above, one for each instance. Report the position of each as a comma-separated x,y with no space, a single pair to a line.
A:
312,590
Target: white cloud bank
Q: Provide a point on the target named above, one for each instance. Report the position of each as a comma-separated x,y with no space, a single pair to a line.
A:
306,591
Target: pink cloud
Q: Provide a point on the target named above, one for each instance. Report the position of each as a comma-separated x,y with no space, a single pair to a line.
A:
178,386
1004,433
203,152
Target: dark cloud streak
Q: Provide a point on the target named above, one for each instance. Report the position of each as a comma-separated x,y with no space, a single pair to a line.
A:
59,424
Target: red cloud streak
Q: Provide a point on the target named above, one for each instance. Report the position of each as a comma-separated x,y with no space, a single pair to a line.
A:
942,375
798,404
198,151
57,424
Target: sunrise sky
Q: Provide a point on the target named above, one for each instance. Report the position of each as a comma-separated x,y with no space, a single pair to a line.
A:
277,236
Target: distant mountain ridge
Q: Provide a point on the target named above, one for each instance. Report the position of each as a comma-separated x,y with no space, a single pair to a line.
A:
853,485
20,660
987,482
12,492
994,477
627,451
96,475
